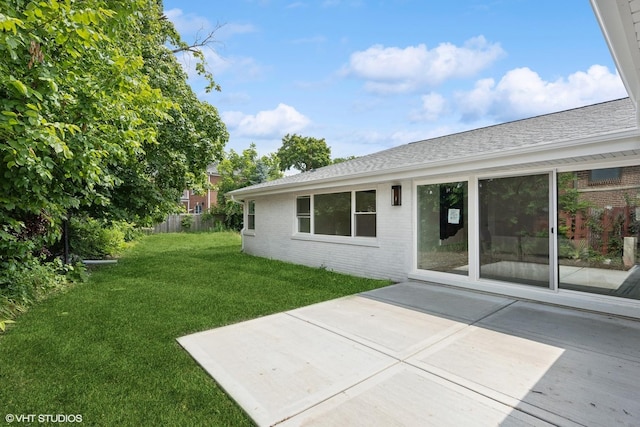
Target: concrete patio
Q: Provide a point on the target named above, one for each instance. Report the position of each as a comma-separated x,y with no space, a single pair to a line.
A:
418,354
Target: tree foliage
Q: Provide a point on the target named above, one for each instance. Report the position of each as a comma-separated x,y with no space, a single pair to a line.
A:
303,153
95,116
238,170
343,159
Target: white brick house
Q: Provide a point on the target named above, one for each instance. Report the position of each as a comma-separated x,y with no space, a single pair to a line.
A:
497,209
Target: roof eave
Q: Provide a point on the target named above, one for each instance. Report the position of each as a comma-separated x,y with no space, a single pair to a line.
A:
627,139
617,24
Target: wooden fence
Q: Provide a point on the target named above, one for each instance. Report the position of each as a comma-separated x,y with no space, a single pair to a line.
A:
600,227
188,222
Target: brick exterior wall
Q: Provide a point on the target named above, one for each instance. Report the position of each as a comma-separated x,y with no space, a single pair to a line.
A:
206,201
392,255
390,258
612,193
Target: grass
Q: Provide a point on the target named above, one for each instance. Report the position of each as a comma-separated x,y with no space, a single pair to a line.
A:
107,349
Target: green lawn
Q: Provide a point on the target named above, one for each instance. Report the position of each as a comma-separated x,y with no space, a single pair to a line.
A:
107,349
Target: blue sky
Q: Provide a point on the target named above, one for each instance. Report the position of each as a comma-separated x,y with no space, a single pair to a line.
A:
370,75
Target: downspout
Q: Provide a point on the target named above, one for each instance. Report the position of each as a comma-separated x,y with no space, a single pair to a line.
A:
240,202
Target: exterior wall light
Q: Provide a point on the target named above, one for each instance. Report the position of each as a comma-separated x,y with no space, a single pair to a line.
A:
396,195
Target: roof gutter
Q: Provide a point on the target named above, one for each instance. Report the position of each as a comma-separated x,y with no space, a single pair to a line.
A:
240,202
233,199
631,137
616,23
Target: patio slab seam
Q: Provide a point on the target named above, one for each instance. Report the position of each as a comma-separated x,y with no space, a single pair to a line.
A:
515,404
349,347
500,398
464,324
496,396
483,322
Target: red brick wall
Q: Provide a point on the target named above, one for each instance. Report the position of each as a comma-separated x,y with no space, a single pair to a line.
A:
207,200
611,193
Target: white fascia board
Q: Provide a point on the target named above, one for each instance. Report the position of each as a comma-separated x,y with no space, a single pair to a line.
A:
616,23
600,144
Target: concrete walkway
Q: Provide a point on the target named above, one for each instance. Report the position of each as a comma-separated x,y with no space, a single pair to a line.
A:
415,354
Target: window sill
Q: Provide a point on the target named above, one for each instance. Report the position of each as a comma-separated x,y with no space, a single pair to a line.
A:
342,240
248,232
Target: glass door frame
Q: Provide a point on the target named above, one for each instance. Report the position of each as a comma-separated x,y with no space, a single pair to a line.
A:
474,182
473,236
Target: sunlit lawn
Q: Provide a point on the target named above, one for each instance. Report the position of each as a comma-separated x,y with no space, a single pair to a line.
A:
107,349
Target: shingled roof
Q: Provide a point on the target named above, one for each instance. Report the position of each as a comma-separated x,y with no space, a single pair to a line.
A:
540,131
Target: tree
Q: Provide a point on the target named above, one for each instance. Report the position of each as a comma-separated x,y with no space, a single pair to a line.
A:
303,153
238,171
192,136
95,116
342,159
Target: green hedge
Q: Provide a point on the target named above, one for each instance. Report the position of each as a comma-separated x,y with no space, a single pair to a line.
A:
94,239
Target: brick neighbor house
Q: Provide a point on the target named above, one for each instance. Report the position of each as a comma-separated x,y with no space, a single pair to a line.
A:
200,203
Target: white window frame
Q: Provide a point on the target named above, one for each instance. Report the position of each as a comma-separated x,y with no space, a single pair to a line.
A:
304,216
350,239
251,225
356,213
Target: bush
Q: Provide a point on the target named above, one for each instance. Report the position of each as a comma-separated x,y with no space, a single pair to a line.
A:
31,282
93,239
230,213
130,231
187,222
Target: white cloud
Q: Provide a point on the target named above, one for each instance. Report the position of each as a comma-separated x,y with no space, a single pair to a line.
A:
191,24
235,98
241,68
232,29
433,106
187,24
397,70
193,28
523,93
265,124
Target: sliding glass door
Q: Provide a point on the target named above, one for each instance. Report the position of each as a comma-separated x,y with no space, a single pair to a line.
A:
443,243
598,229
514,229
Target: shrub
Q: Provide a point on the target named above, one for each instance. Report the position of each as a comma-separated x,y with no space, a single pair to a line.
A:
31,282
230,214
91,238
130,231
187,222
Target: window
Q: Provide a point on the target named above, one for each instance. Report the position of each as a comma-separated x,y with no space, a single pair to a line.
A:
349,213
605,176
514,229
443,243
303,213
251,215
597,232
365,214
332,214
